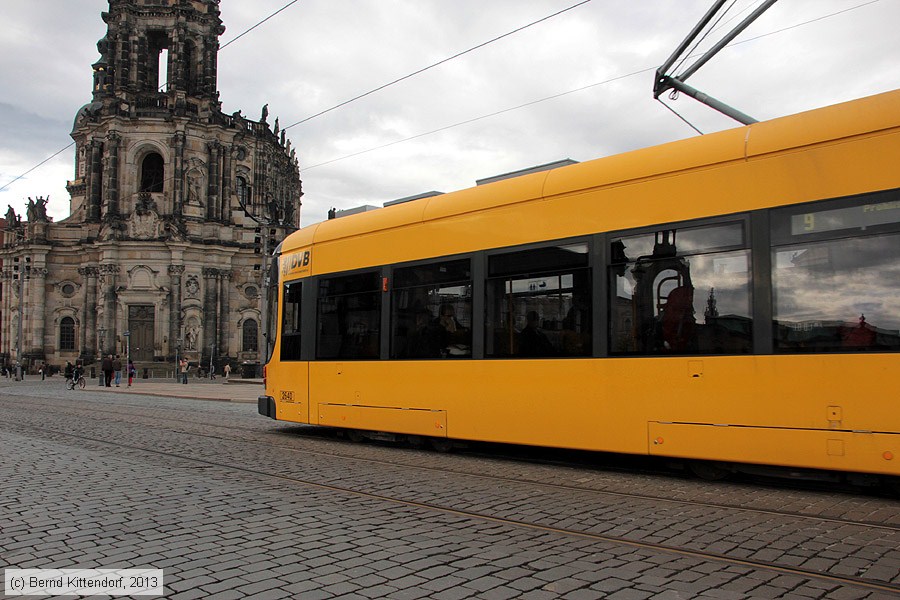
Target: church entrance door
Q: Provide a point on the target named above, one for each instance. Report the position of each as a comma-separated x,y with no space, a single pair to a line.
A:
141,319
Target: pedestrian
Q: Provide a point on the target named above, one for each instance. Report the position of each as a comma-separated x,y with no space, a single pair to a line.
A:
107,367
131,371
184,366
117,367
227,370
43,370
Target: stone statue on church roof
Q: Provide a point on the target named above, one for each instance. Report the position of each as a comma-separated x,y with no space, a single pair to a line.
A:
11,219
37,210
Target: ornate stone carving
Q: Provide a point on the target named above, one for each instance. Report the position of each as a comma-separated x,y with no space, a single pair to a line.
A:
145,223
192,287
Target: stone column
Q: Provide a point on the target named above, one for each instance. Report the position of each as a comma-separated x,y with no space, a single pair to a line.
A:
225,321
225,204
212,192
112,174
89,318
175,273
95,181
210,303
39,303
108,278
178,175
6,326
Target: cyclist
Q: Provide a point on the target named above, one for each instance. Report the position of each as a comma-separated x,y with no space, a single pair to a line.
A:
74,376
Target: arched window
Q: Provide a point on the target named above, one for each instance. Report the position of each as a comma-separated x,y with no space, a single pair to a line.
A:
67,335
250,336
152,173
243,191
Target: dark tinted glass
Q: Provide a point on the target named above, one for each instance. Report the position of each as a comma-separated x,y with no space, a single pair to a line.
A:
291,325
680,291
348,317
539,303
432,311
838,295
539,260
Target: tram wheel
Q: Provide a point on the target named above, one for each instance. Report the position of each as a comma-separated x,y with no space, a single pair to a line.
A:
440,444
709,470
355,435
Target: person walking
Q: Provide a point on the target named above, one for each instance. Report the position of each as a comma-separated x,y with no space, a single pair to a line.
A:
131,371
117,367
184,366
227,370
107,367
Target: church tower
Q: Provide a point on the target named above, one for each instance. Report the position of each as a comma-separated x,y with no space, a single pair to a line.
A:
170,200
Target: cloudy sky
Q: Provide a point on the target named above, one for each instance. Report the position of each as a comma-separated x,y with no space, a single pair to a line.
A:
577,85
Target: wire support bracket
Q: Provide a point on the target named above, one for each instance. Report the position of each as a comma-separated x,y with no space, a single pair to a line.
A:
665,81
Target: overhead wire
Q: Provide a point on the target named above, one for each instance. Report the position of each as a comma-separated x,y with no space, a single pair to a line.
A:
245,32
561,94
482,117
438,63
222,47
496,113
706,34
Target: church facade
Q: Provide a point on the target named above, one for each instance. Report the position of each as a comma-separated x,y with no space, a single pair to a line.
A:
172,203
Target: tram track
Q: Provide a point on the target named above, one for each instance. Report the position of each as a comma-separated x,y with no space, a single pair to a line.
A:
153,422
681,551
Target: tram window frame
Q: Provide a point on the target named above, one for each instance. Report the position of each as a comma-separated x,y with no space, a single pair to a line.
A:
830,247
357,288
270,331
292,320
737,342
418,330
503,330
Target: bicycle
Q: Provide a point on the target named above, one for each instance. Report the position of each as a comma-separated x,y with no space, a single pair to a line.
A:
71,382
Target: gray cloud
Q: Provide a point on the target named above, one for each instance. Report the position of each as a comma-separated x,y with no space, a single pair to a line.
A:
318,53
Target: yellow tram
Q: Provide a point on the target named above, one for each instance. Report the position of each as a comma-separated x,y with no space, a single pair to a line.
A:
733,297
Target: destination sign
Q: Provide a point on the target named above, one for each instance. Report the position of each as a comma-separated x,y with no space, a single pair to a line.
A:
854,217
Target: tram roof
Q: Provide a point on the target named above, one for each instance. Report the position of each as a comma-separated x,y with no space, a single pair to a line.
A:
855,117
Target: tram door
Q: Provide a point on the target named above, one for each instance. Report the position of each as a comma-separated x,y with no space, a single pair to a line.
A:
141,321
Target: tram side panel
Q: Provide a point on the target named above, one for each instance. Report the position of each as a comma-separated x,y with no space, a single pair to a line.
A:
804,411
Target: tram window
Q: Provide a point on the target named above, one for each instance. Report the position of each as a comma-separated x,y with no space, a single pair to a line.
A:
539,303
432,310
681,291
838,295
290,322
348,317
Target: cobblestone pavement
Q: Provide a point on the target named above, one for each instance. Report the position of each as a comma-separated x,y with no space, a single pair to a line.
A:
234,390
232,505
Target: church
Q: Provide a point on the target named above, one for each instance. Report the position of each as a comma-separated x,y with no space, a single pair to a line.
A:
173,204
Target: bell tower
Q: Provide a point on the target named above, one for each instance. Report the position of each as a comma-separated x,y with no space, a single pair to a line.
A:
159,53
170,198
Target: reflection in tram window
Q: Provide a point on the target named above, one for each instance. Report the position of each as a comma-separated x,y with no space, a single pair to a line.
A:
432,310
681,292
348,315
539,303
838,295
290,323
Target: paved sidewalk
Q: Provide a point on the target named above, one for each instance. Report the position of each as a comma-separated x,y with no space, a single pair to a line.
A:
234,390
